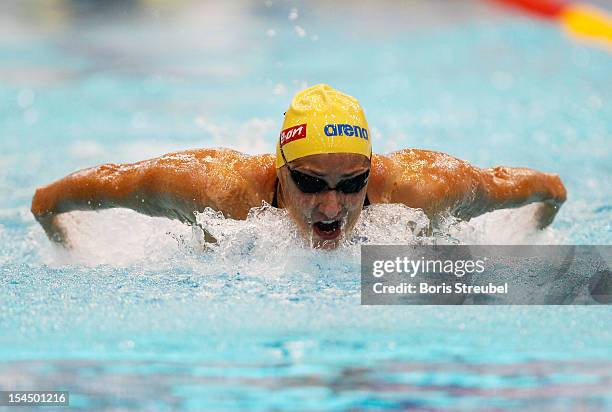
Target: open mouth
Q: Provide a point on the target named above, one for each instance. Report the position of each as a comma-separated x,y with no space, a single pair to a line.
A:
328,229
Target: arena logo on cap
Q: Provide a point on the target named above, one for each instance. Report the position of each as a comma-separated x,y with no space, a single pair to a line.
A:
292,133
345,130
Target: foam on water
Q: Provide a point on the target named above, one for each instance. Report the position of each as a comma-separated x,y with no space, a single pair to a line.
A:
267,242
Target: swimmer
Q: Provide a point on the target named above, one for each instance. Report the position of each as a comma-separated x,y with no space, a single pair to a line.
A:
323,174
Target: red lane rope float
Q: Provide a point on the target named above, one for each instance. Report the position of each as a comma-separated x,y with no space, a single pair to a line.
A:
542,8
579,20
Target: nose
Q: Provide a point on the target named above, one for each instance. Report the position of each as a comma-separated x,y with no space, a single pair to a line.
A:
329,204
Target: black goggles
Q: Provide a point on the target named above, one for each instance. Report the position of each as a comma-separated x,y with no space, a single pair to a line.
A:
310,184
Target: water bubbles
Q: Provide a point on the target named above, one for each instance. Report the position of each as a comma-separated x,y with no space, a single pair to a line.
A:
390,224
263,243
268,243
270,32
293,15
299,30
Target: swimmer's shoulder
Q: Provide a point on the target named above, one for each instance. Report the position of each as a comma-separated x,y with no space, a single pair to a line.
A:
257,167
412,161
419,157
406,175
252,178
388,170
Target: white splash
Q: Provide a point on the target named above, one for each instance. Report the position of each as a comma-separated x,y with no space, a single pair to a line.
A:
267,242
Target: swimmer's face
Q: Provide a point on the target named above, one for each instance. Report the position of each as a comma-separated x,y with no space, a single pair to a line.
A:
326,216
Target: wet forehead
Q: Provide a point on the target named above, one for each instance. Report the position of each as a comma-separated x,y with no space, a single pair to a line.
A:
332,164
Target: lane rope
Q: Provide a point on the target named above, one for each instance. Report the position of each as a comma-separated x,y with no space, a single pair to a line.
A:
581,21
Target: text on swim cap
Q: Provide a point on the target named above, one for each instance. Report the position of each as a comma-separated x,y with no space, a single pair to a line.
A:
346,130
293,133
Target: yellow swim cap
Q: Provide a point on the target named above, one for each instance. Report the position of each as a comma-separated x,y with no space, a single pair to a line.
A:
323,120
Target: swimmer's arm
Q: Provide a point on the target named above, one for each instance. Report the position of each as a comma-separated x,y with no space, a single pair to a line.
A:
509,187
101,187
173,186
438,183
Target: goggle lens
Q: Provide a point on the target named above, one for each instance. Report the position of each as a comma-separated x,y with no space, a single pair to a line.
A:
310,184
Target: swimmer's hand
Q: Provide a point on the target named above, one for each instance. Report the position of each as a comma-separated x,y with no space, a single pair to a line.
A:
41,209
54,231
545,214
548,209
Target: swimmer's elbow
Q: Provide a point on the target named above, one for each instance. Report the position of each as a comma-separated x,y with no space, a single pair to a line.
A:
558,192
41,203
35,206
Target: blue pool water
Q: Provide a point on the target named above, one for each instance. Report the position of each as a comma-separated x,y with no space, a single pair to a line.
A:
138,317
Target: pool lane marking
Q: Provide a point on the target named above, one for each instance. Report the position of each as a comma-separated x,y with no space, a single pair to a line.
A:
581,21
588,22
547,9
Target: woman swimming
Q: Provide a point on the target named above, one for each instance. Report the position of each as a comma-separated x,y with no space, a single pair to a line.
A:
323,173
